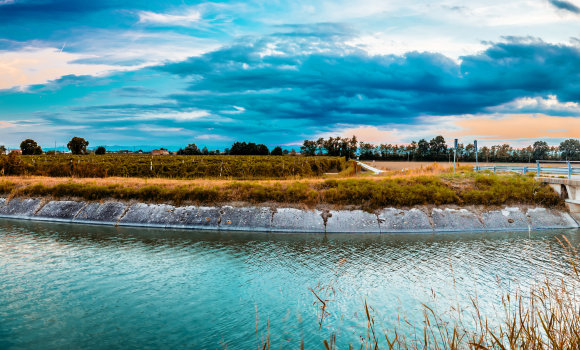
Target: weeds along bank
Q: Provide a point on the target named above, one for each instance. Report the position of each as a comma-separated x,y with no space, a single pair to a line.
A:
367,194
182,167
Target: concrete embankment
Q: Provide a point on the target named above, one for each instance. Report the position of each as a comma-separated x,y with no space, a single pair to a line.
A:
265,219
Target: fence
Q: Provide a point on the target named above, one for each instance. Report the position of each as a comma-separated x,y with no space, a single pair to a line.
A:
566,169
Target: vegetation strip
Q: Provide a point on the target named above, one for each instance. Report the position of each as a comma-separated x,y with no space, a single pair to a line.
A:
368,194
181,167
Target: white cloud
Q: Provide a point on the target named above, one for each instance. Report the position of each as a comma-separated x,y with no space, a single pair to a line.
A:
182,116
159,18
159,129
537,104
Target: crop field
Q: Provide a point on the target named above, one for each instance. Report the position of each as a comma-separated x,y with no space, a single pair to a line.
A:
177,167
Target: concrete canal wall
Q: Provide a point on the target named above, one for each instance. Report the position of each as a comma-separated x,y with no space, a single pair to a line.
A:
265,219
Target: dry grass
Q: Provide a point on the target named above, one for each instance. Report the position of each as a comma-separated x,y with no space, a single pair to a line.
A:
545,316
398,166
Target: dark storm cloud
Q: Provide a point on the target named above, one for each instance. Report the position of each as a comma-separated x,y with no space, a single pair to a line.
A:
327,82
565,5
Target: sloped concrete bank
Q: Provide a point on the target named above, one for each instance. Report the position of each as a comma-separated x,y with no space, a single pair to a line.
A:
265,219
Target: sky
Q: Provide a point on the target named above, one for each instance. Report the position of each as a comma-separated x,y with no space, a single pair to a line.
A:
169,73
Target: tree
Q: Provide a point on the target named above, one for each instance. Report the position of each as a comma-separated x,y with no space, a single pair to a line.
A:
100,150
438,146
30,147
226,151
541,149
422,148
570,149
78,145
293,152
309,148
367,151
2,149
285,152
205,151
261,150
277,151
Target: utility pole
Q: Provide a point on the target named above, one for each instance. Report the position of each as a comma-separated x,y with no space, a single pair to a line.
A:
454,157
476,162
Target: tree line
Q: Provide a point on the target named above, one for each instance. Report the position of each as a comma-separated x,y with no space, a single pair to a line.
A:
237,149
437,150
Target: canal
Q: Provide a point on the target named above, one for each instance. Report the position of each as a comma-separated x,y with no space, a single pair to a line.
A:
90,287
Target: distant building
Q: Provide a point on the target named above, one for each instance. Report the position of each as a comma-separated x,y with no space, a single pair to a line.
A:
160,152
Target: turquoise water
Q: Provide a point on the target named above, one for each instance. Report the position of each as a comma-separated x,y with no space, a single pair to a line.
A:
89,287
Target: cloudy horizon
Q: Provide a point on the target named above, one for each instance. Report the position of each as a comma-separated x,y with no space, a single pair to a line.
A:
166,74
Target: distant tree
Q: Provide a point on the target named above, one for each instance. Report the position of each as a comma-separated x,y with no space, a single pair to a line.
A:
261,150
541,149
437,146
227,151
309,148
277,151
320,145
367,151
292,152
205,151
51,153
78,145
30,147
285,152
101,150
2,149
239,149
570,149
423,148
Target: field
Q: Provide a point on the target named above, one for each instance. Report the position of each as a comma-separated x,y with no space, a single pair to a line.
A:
418,165
181,167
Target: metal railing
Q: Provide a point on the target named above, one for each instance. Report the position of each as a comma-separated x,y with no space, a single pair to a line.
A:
567,169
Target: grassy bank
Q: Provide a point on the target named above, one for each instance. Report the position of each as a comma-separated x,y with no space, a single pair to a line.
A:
366,193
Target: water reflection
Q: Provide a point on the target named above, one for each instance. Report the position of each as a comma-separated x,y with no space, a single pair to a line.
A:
69,286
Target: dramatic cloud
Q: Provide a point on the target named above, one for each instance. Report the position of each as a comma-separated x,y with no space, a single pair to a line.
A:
168,73
565,5
296,76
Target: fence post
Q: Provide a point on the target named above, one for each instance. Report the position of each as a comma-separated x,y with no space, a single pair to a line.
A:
525,170
494,169
569,171
538,164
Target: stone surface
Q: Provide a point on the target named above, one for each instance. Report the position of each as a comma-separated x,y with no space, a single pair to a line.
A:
190,217
505,220
20,209
404,221
63,211
295,220
544,219
149,215
455,220
107,213
355,221
246,219
2,202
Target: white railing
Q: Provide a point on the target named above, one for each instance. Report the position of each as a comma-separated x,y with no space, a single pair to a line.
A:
567,169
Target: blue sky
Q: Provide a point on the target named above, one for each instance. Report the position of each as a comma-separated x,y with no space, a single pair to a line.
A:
170,73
